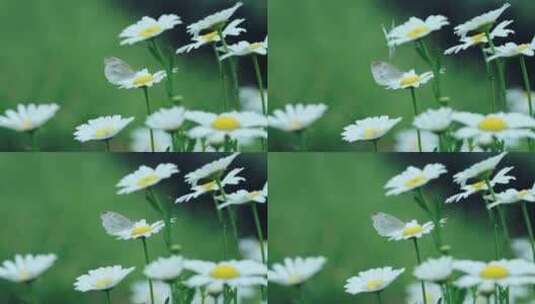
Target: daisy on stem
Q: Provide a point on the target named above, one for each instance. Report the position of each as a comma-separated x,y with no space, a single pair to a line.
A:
102,129
437,121
170,120
369,129
102,279
372,281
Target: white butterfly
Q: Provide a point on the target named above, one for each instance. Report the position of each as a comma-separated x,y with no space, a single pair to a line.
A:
115,223
384,73
386,224
117,71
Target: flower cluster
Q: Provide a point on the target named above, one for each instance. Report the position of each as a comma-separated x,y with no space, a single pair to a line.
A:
242,121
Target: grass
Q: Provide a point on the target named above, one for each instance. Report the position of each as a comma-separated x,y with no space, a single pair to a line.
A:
52,204
321,203
56,55
324,56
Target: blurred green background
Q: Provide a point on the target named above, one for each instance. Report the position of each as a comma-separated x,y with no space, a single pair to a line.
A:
321,203
51,203
322,52
54,52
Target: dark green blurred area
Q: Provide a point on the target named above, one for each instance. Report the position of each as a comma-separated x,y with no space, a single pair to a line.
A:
321,203
51,203
322,53
54,52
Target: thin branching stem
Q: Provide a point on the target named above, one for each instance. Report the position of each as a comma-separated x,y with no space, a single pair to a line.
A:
149,112
527,87
415,108
147,262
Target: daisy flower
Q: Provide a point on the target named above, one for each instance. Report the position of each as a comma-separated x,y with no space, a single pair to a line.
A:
517,100
210,170
29,117
145,177
148,28
503,273
165,269
101,128
410,80
241,197
296,117
435,270
511,196
414,29
371,128
235,125
295,271
140,229
433,293
481,38
251,249
231,178
512,49
373,280
244,48
395,230
141,141
232,29
232,273
141,293
214,21
522,249
26,268
103,278
436,121
167,119
250,99
478,170
480,186
501,126
407,141
413,178
143,79
480,23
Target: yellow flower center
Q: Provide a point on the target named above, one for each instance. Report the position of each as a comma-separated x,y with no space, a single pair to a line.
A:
416,181
224,272
103,283
409,80
479,186
104,132
418,32
522,47
294,279
148,180
254,194
150,31
140,230
412,230
24,274
371,133
209,186
493,124
374,284
494,272
143,80
255,46
26,124
523,193
210,37
295,125
479,38
226,123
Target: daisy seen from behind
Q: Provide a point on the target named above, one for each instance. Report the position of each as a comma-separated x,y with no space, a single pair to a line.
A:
210,170
211,185
481,23
480,170
166,269
435,270
295,271
480,39
479,186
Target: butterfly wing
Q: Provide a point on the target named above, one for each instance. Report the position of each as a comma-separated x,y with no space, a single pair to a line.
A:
117,71
114,222
386,224
384,73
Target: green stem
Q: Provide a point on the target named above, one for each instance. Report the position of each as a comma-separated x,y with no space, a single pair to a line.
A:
301,290
379,297
302,140
259,231
223,223
375,145
435,66
107,144
168,237
415,108
168,66
493,220
31,291
222,77
108,296
490,76
173,141
149,112
499,66
529,227
527,87
33,141
260,84
147,262
233,70
419,260
501,213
